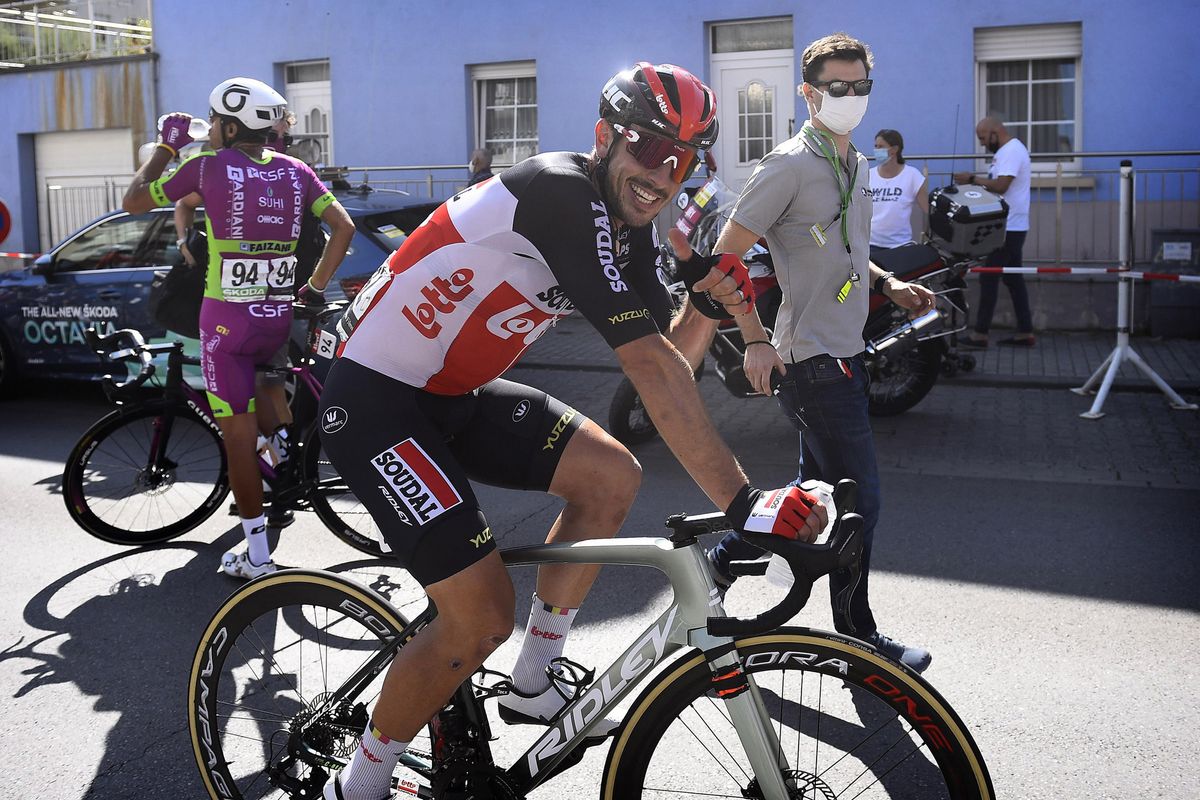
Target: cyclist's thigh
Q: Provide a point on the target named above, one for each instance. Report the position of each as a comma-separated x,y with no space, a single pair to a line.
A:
232,340
394,458
516,436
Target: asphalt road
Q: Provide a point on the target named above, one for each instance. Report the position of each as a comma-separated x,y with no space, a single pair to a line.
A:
1049,563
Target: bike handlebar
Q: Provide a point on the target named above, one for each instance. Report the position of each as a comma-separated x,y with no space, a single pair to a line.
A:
806,561
138,349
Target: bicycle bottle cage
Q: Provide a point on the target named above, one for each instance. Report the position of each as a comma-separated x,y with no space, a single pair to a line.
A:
807,562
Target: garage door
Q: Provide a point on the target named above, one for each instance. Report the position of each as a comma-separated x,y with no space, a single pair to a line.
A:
80,175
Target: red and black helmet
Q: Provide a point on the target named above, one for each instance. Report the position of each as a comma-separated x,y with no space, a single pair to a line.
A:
664,98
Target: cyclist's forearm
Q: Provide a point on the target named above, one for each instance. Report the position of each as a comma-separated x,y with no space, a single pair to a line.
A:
137,198
333,255
670,396
691,333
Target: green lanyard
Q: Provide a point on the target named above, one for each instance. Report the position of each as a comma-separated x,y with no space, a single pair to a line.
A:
818,139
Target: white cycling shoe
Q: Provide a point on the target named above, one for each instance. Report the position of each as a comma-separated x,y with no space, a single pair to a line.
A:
238,565
544,708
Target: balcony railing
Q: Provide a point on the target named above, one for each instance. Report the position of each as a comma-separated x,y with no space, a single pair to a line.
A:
49,32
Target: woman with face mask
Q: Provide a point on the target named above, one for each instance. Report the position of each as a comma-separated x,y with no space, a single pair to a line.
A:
895,188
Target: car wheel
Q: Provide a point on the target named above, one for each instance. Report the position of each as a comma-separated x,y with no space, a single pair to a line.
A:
8,368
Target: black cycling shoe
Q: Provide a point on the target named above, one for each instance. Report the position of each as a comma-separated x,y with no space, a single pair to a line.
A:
280,519
915,658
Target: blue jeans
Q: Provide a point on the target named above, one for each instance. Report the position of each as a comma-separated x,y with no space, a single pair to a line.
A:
829,410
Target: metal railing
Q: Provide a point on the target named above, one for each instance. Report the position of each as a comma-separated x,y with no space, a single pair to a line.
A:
34,33
70,202
1074,212
435,182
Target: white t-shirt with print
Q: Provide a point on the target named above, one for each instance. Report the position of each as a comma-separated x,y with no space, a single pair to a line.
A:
891,206
1013,159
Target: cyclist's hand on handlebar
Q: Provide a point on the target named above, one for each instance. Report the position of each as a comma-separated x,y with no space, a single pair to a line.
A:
174,133
310,295
718,285
789,512
912,297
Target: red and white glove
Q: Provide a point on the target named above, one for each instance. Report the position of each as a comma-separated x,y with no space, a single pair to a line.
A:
173,134
789,512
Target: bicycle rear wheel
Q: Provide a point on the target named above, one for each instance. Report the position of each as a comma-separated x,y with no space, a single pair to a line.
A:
146,474
850,725
336,506
271,658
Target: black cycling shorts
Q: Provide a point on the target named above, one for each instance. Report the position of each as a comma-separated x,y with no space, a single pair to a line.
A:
407,455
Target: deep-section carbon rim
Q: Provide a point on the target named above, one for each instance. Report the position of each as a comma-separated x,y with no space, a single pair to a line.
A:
114,490
271,658
850,725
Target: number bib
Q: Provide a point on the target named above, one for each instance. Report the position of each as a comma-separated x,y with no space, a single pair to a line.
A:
248,280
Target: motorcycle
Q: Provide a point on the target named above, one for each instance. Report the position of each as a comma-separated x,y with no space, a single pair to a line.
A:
903,356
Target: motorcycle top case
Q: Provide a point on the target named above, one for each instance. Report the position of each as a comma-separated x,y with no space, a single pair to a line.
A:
967,220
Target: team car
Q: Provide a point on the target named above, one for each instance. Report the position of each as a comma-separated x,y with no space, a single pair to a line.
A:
100,277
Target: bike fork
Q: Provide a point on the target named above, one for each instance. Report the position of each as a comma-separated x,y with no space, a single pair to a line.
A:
753,725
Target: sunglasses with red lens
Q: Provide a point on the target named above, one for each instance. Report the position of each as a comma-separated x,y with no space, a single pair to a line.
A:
652,151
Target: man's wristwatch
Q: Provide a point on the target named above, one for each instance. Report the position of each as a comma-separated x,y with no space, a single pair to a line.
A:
881,280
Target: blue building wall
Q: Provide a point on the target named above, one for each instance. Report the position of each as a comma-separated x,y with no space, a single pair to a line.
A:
400,70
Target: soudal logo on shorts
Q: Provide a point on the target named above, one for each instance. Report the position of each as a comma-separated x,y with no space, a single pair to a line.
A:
417,481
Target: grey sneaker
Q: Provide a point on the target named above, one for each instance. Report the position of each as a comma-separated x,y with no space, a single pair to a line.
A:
915,658
543,708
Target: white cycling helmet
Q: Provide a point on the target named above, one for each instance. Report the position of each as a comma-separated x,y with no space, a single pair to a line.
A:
252,103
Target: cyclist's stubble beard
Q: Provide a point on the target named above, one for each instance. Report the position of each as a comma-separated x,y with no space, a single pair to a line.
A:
617,179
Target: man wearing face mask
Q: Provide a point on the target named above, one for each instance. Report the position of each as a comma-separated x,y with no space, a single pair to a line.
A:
810,197
1008,176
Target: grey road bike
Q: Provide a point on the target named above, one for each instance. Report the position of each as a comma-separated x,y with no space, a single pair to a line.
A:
725,707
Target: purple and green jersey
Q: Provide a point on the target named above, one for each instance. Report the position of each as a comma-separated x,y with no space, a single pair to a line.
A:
253,210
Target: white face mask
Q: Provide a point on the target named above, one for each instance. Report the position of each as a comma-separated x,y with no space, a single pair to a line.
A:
842,114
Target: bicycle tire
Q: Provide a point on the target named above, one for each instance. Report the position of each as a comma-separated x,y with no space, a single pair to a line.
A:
878,717
113,493
335,504
249,686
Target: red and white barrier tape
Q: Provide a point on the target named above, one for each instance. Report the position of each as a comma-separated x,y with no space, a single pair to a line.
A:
1147,276
19,255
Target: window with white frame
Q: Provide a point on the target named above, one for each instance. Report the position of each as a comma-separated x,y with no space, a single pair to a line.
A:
506,114
1028,77
309,93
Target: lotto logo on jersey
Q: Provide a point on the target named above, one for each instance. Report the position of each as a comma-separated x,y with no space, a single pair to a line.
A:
442,297
416,480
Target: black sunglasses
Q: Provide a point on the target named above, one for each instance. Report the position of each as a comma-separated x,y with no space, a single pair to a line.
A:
842,88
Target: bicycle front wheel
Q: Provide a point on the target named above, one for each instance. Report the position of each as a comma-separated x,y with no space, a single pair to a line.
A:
145,475
262,714
850,724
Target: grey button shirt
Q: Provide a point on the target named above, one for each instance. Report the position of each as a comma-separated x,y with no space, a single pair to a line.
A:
791,189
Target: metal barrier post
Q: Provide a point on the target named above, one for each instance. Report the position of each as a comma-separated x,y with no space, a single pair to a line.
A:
1124,351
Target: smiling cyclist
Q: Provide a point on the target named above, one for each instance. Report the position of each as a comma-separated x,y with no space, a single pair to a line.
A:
416,405
254,201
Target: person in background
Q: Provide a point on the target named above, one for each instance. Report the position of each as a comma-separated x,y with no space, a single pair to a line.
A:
809,198
895,188
1008,176
246,313
272,411
481,166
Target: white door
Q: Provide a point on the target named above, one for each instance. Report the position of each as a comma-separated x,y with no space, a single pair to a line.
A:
80,175
312,103
756,106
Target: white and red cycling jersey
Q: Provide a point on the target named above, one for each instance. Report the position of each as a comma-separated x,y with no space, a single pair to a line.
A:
493,268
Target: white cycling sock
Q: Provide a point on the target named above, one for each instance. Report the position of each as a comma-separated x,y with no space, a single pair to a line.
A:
369,776
545,637
257,546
